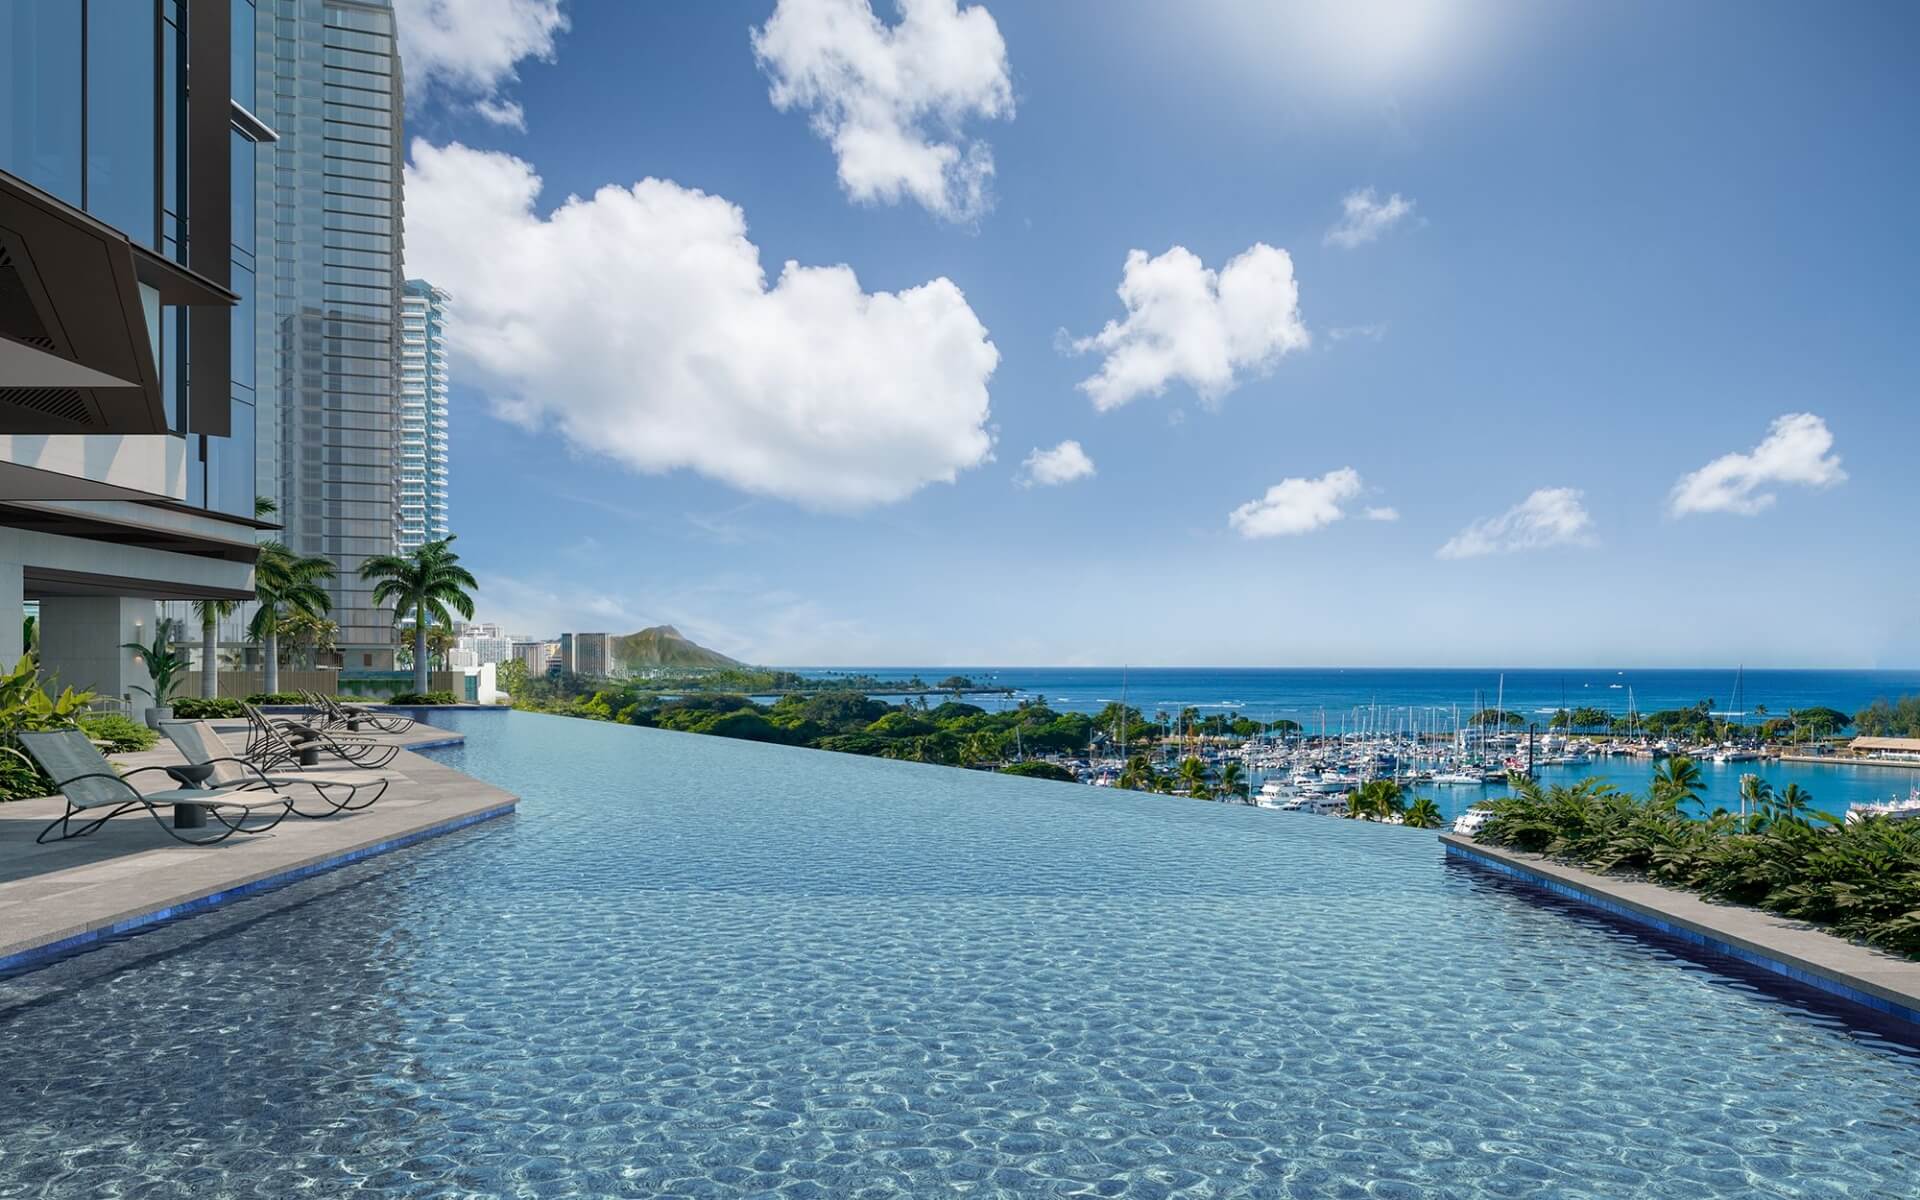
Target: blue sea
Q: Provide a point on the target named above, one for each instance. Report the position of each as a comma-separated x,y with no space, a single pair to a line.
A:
1336,698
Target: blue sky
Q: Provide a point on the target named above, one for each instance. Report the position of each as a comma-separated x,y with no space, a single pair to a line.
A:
1628,240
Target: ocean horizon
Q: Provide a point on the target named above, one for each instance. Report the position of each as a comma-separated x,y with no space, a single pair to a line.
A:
1305,694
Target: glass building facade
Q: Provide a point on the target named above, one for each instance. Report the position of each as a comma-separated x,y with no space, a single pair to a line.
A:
93,111
421,486
328,81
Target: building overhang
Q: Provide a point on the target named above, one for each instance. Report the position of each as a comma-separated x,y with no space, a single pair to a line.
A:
76,351
137,526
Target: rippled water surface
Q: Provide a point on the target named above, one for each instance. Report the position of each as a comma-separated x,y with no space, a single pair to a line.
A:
700,967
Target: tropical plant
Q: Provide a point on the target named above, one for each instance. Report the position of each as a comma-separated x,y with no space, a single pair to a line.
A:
1423,813
304,637
199,708
1035,769
210,613
1233,781
1377,800
284,582
29,635
1862,878
1193,777
25,706
119,734
164,664
423,698
1139,774
423,584
1677,782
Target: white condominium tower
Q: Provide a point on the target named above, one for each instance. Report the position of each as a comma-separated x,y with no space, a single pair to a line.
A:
420,478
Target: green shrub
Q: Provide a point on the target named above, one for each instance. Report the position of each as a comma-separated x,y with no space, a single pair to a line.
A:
1862,880
21,778
422,698
1034,769
120,735
193,708
276,698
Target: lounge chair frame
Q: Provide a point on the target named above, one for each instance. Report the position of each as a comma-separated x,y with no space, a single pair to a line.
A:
272,744
212,800
197,741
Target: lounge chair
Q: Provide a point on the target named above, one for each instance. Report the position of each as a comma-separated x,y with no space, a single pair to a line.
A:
335,714
278,742
89,784
203,747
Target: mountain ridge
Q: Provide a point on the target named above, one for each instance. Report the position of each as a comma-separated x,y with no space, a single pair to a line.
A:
664,646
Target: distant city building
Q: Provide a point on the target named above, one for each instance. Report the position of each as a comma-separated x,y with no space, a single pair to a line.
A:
590,654
420,484
484,648
329,82
534,656
566,652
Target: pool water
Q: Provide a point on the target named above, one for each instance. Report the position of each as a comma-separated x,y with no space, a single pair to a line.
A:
694,966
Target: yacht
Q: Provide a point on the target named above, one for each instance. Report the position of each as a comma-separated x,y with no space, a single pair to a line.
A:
1892,810
1320,805
1273,793
1470,821
1460,777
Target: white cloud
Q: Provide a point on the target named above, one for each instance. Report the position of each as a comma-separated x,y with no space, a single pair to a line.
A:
502,112
639,323
470,49
1549,517
1050,468
1796,450
1190,323
892,100
1364,217
1296,506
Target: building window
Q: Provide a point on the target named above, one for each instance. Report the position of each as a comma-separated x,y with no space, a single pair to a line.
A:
40,95
121,116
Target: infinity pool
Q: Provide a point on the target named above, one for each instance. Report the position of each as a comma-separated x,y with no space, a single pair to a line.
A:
701,967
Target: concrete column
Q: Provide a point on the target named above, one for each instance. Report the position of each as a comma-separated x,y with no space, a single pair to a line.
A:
80,640
12,603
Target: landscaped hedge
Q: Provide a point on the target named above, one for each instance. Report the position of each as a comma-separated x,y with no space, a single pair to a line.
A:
423,698
121,735
1861,879
277,698
193,708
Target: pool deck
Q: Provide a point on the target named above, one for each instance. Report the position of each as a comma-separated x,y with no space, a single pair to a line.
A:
62,897
1886,983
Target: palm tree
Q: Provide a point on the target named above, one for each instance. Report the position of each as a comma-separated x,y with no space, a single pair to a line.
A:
1677,782
1376,800
1233,779
422,584
211,613
1423,814
1193,773
1138,774
1792,801
284,582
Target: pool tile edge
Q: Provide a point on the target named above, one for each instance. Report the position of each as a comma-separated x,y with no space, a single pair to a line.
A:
1604,895
63,945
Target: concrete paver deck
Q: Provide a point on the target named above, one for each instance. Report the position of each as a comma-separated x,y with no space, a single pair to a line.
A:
59,897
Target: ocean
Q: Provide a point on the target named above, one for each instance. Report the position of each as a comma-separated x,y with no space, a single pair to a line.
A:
1389,696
